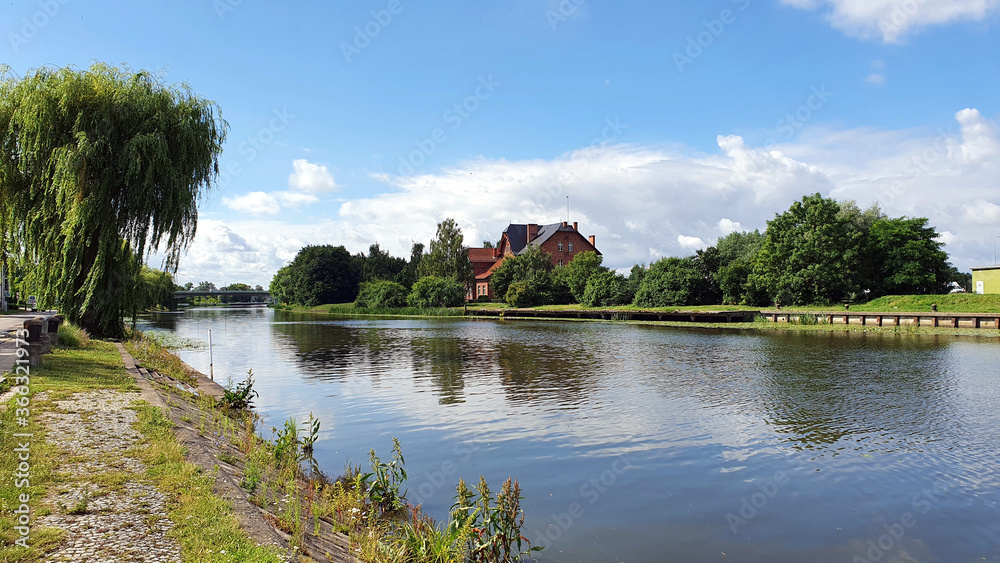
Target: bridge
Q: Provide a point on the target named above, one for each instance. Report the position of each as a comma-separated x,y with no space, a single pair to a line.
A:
234,297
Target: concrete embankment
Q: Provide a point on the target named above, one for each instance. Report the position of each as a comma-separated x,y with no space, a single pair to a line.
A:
883,319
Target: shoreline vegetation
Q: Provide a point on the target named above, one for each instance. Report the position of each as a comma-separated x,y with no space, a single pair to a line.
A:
948,303
208,451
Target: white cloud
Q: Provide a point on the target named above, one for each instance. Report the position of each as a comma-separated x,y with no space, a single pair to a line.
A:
980,139
690,243
643,203
878,64
294,199
876,79
309,177
255,203
947,238
727,226
982,212
892,20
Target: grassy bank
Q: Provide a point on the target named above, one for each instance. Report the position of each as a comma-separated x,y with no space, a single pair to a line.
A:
349,310
203,521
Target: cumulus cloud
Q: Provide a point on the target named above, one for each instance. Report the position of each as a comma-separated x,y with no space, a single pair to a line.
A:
306,180
891,21
309,177
727,226
644,202
690,243
255,203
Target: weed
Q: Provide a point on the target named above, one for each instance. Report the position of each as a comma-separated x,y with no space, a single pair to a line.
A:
309,439
73,336
241,396
384,481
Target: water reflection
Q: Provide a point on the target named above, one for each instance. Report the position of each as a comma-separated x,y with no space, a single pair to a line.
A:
859,422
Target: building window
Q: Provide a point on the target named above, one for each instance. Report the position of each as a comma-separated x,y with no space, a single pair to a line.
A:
560,262
571,247
560,247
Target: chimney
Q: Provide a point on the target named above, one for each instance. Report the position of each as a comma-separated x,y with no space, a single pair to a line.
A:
592,238
565,224
532,232
575,226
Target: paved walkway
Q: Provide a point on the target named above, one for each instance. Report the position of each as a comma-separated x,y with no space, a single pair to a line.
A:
8,324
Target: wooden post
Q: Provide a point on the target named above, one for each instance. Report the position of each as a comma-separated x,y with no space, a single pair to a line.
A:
954,322
916,321
935,321
878,320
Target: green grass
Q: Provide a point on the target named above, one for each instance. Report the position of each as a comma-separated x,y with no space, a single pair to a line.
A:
152,355
348,309
64,372
205,524
73,336
67,371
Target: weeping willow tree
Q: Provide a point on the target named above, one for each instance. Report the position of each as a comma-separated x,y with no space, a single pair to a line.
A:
99,169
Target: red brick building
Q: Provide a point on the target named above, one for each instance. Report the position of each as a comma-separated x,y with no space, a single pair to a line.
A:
561,240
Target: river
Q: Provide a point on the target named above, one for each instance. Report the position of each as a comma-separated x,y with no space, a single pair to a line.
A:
645,444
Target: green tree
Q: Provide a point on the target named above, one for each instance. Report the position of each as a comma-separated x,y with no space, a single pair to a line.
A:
522,294
736,253
448,257
808,254
533,264
205,286
381,294
670,282
318,275
98,169
380,265
188,286
607,289
579,270
433,291
155,290
906,258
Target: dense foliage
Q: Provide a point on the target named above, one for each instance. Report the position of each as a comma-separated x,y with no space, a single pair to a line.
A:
607,289
99,168
433,291
317,275
381,294
448,257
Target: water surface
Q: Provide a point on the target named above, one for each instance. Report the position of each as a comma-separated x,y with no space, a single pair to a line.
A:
645,444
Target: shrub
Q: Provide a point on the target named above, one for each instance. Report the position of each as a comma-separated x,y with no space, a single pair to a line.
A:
432,291
522,294
607,289
483,299
381,294
670,282
73,336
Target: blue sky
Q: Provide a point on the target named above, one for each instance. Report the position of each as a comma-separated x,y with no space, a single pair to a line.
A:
667,123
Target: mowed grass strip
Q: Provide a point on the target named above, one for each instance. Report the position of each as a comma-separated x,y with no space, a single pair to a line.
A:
205,525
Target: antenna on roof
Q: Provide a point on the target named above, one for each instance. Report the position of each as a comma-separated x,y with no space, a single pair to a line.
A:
567,209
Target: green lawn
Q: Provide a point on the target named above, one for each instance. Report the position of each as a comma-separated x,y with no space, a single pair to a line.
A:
951,303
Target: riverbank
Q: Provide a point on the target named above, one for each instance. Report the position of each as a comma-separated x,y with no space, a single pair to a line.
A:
165,465
107,479
718,317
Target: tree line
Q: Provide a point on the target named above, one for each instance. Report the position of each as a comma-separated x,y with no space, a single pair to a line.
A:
819,251
323,274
